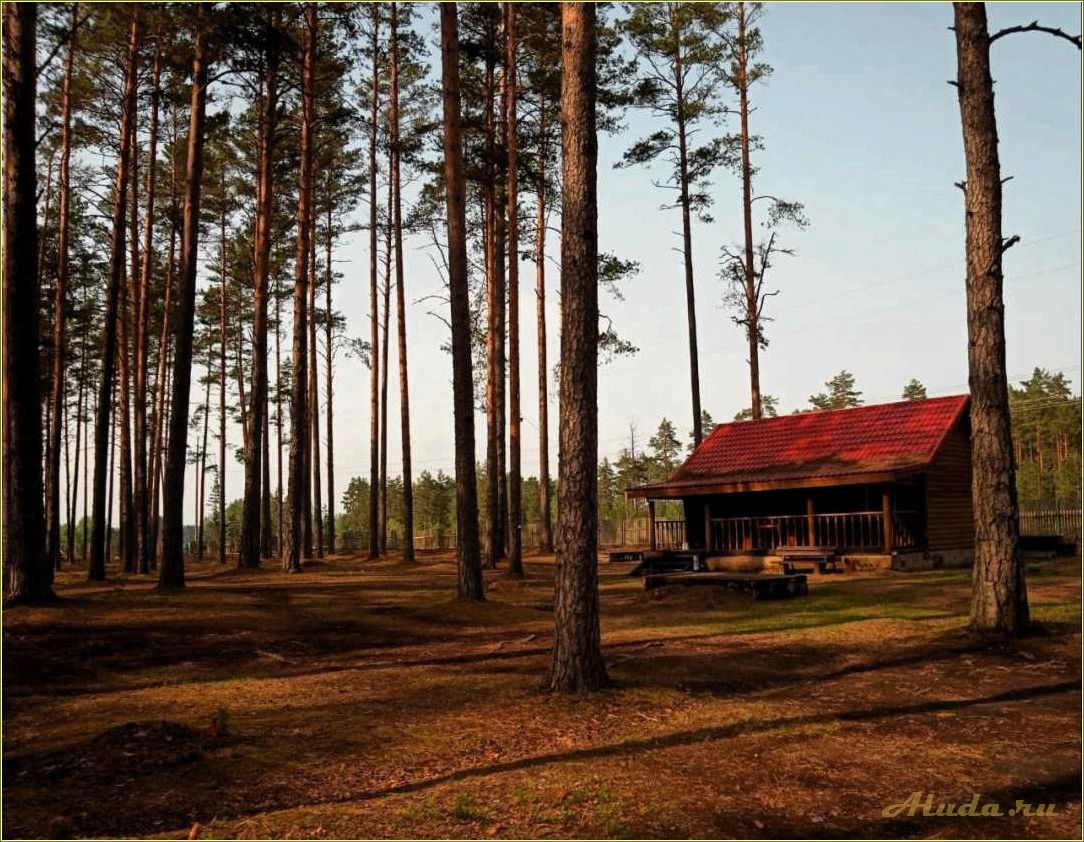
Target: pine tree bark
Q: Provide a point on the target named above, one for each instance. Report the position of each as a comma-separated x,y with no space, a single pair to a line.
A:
385,323
79,404
163,368
28,570
202,478
171,573
515,486
141,490
223,339
400,299
99,535
546,530
60,307
249,551
751,304
328,355
265,493
470,585
279,527
576,664
687,236
374,335
314,397
999,605
291,559
129,315
494,297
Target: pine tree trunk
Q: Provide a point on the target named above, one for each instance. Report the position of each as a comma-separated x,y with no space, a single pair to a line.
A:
163,368
29,573
171,574
99,535
546,530
265,493
112,472
129,309
386,319
279,535
60,306
400,301
144,548
314,397
511,127
576,664
374,338
470,585
250,548
328,354
494,339
222,340
291,559
752,314
999,604
72,513
687,247
202,478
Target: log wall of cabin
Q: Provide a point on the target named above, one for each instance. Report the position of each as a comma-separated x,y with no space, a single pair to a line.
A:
949,517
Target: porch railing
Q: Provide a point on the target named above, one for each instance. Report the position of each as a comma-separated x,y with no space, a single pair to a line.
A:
842,530
670,535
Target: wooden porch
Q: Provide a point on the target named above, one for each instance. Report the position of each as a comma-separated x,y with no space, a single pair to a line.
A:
882,531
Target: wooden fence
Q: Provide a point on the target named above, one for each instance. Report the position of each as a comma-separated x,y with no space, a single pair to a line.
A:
1063,522
636,532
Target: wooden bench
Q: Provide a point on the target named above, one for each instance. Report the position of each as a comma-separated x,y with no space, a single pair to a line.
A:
759,586
824,559
666,561
625,555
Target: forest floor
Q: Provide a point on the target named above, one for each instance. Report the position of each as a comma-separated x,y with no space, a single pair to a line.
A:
359,699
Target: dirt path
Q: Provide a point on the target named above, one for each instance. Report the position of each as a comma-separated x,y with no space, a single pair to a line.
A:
360,699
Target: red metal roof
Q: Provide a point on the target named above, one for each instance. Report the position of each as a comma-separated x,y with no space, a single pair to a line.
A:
883,437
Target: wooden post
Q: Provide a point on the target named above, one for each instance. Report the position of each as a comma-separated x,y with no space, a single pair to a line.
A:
886,509
810,524
651,518
707,526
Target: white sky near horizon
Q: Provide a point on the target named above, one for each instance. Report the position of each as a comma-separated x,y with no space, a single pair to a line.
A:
861,127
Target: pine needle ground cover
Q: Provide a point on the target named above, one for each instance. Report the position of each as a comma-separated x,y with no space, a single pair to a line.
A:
361,699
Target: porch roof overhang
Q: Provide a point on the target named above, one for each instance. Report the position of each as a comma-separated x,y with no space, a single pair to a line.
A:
700,487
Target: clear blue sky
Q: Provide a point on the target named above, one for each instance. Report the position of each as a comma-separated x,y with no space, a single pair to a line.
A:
861,126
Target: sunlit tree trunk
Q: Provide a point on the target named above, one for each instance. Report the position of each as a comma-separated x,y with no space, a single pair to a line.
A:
470,585
999,602
576,664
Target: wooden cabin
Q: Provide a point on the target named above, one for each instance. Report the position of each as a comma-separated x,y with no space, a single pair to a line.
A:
890,479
